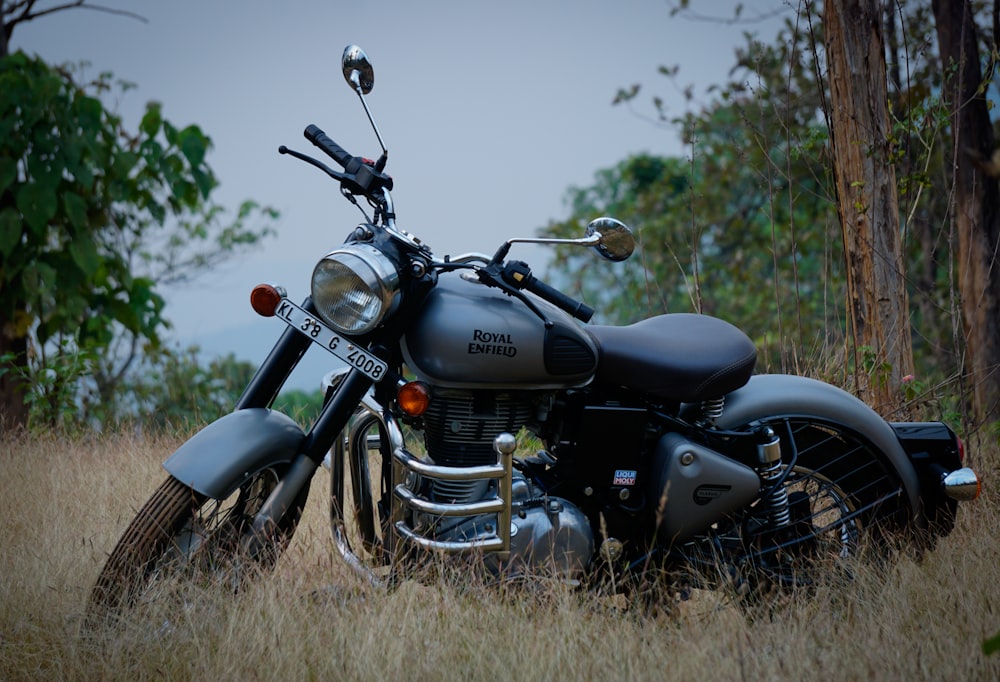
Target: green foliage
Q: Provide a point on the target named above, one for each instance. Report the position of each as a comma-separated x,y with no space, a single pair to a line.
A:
177,390
93,219
745,227
992,645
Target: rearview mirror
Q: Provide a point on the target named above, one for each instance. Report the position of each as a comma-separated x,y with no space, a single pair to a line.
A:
358,71
615,240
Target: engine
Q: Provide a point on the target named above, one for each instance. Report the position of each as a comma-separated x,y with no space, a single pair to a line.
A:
547,533
459,428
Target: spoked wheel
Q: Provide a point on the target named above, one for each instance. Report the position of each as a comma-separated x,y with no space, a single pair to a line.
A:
180,536
835,496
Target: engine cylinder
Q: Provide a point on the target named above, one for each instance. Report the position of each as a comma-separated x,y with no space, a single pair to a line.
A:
459,428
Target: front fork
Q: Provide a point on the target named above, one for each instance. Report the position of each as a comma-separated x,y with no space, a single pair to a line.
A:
261,392
331,421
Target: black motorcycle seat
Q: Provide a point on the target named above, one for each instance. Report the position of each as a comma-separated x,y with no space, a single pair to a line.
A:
681,357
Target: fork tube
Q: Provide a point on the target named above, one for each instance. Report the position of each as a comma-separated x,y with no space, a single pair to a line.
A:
273,372
317,442
335,415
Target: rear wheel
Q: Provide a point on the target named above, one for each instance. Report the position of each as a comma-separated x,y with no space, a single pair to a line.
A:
833,496
180,535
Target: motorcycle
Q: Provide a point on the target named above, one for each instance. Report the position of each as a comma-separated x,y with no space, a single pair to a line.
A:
656,448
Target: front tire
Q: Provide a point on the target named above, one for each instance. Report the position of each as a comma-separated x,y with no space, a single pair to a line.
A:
180,534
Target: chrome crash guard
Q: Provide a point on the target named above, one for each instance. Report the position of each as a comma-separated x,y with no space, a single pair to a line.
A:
409,472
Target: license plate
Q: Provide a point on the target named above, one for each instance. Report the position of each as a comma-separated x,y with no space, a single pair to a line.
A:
313,327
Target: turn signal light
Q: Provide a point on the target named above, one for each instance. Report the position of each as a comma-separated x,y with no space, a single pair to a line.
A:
413,398
962,485
264,299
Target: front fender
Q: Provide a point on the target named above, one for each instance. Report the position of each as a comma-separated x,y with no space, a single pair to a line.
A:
768,395
219,457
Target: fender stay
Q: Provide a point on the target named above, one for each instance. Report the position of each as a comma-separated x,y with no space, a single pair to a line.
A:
222,455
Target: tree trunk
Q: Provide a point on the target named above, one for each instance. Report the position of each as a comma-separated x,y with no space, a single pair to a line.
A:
976,211
866,200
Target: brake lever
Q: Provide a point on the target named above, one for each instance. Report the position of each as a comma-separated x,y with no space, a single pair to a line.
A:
336,175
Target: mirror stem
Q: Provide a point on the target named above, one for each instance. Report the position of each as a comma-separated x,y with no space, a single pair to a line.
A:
361,96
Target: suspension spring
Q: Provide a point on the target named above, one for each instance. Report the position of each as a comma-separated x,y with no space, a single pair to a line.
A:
769,456
712,409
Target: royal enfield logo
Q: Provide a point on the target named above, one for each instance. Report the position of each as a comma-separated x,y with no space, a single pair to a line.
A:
491,343
704,494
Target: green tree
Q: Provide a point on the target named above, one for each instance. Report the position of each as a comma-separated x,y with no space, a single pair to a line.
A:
178,390
744,228
93,218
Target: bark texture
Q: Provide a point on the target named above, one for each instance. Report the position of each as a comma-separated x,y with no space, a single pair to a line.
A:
976,209
866,200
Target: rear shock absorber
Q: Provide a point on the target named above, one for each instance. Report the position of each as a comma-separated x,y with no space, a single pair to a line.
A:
769,470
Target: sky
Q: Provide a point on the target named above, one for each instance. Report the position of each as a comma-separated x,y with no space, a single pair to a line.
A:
491,112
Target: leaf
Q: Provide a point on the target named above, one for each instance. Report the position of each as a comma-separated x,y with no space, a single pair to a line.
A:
85,254
8,172
76,210
152,119
193,145
37,204
10,231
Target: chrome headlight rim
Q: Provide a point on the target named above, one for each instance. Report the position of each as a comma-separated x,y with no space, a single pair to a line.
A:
354,288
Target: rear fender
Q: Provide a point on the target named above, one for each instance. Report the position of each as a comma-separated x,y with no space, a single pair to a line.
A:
217,459
934,450
767,395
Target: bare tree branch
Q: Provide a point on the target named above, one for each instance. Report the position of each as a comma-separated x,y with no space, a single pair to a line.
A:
27,15
20,11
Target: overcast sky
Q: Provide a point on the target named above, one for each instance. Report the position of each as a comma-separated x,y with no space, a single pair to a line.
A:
490,111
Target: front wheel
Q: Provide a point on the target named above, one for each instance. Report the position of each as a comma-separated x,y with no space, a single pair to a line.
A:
182,535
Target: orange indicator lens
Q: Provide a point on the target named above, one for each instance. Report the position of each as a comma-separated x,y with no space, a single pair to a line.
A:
414,398
264,299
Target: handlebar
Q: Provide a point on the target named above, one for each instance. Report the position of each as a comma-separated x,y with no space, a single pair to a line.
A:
365,177
331,148
518,274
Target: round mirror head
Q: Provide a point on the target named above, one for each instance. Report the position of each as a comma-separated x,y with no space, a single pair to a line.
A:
615,240
358,71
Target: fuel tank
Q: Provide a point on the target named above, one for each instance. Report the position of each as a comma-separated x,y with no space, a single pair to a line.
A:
469,335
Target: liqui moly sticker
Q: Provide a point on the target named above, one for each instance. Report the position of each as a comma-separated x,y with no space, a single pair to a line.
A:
624,477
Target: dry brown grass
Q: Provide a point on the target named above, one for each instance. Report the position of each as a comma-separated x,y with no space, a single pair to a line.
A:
64,504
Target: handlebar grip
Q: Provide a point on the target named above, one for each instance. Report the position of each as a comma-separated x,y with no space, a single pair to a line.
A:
332,149
557,298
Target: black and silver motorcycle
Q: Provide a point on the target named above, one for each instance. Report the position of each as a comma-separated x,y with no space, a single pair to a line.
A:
655,445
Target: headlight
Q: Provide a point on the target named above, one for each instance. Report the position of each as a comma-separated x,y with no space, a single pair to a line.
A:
354,287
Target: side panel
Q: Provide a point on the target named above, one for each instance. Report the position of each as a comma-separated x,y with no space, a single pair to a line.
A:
220,456
781,394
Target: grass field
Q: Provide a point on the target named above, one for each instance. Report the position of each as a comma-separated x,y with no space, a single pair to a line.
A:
65,503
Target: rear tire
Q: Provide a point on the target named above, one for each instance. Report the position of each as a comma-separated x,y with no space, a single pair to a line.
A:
180,534
845,498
